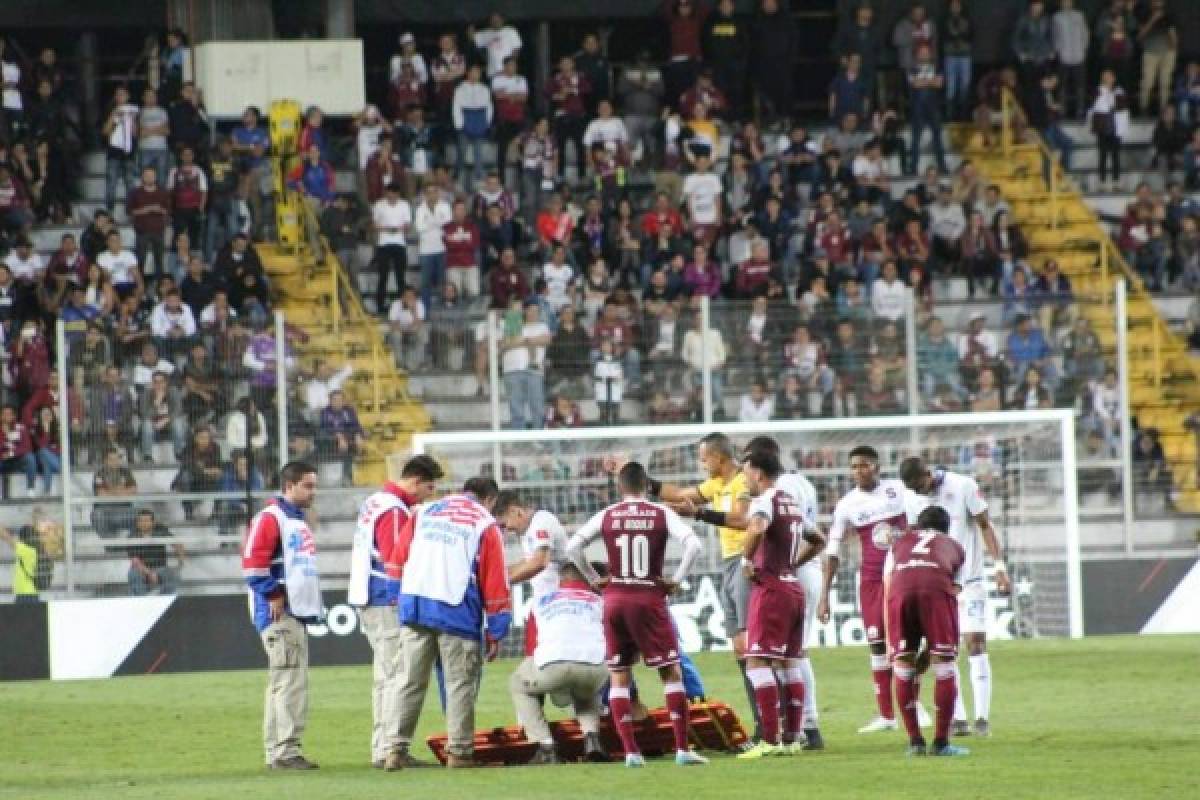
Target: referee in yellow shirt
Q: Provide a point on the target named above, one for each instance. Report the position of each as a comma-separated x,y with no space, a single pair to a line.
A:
727,498
25,563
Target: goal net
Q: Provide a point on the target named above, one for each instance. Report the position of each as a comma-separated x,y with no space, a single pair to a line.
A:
1023,461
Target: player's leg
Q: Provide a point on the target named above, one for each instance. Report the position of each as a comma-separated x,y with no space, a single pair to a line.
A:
527,686
622,714
904,637
735,591
677,707
810,579
972,620
870,600
418,650
939,622
761,673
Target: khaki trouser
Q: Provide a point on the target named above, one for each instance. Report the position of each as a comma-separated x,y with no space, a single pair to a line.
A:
286,703
382,629
462,665
1157,69
567,683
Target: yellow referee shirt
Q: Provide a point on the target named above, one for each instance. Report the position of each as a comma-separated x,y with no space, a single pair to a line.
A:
721,495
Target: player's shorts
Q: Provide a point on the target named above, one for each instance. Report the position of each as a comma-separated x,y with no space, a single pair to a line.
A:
973,607
870,602
639,623
931,616
810,581
775,628
735,595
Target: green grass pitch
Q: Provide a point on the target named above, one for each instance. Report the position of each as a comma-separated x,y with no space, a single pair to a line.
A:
1105,717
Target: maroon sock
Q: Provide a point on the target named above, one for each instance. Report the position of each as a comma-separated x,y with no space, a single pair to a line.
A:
622,717
881,673
945,692
677,707
793,690
906,696
766,697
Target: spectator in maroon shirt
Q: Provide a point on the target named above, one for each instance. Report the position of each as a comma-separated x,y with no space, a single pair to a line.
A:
16,451
149,207
406,90
685,25
568,91
384,167
461,237
612,328
16,216
754,273
704,92
188,186
507,280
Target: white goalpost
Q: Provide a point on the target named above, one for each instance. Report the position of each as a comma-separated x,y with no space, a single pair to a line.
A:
1024,461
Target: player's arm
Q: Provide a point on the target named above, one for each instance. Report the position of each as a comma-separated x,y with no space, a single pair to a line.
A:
992,542
691,545
577,549
815,541
667,492
978,509
756,529
831,564
530,567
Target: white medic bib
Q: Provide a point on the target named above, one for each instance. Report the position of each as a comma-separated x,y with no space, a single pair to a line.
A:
570,627
441,558
300,577
364,556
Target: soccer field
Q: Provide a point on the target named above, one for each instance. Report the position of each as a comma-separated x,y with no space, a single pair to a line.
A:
1103,717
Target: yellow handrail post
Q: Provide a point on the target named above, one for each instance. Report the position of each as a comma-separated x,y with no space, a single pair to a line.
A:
335,306
1053,193
1104,269
1005,127
1155,338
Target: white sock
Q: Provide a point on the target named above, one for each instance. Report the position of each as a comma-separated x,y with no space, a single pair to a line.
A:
960,708
810,692
981,685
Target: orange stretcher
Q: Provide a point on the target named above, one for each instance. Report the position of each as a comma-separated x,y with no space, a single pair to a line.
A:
711,726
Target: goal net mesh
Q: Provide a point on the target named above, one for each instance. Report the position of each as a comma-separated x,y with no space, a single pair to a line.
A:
1018,465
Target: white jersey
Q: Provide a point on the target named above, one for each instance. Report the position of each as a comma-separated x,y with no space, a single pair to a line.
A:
963,500
804,493
570,626
545,532
861,512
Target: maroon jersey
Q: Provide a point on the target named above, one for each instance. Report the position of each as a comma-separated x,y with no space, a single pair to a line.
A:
635,534
780,546
925,562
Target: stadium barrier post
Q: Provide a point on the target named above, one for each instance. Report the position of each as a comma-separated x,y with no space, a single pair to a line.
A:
912,381
64,441
281,384
493,368
1071,502
705,362
1126,422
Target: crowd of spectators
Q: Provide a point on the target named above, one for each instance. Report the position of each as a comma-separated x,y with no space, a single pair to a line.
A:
595,215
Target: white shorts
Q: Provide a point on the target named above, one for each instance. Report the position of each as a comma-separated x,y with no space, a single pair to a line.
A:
973,608
810,580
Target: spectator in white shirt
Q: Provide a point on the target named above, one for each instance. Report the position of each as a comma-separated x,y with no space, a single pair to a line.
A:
149,363
1106,408
560,279
172,324
757,405
696,343
608,130
23,262
947,223
408,333
523,362
121,266
510,93
473,114
392,217
500,41
889,295
408,55
430,218
702,193
325,381
608,383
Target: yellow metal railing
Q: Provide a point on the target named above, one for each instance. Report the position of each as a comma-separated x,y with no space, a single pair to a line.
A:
1111,259
341,290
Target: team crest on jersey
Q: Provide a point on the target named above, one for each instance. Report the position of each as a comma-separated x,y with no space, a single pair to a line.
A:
890,492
